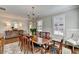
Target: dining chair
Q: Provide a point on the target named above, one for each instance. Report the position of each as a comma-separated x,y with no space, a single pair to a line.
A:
20,42
57,49
26,44
35,47
23,43
46,47
29,44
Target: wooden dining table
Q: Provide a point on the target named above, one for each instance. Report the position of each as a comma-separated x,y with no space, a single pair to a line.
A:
43,43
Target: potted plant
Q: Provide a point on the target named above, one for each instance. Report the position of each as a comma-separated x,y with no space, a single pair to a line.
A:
33,31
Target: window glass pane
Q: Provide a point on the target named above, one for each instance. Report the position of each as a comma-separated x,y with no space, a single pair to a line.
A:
59,24
58,33
39,25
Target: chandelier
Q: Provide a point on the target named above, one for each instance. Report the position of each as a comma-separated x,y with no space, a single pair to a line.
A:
32,14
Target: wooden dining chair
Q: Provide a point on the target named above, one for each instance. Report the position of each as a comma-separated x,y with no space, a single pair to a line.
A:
20,42
35,47
46,46
29,43
23,42
57,49
26,44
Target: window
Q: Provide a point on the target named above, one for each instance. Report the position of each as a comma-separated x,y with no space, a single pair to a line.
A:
30,25
39,25
59,25
15,25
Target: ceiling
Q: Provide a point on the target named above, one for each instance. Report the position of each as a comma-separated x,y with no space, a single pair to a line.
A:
42,10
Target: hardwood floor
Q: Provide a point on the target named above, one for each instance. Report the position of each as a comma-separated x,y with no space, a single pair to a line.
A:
7,41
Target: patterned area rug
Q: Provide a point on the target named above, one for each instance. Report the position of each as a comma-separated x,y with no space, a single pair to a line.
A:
12,48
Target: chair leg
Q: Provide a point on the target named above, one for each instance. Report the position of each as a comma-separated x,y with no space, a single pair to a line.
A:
21,47
26,49
1,50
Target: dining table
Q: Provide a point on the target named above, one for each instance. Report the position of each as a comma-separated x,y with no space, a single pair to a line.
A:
43,43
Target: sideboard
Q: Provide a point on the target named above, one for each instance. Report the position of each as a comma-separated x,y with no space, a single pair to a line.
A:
12,33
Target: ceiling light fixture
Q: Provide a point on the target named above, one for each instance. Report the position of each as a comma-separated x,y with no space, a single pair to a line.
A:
33,15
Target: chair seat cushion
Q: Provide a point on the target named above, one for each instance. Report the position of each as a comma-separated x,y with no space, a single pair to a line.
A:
54,50
36,45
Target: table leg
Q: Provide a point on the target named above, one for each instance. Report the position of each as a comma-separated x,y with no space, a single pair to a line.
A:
72,49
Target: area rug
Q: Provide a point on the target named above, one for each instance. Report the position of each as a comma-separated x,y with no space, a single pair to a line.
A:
12,48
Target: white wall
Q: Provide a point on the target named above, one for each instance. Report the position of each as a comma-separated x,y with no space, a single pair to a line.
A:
71,22
47,24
